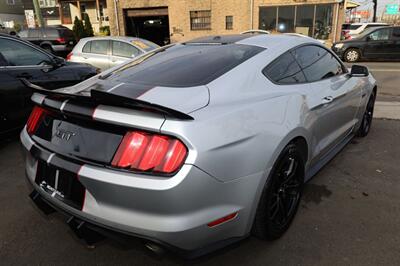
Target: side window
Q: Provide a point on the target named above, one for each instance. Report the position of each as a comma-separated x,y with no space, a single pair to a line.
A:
34,33
86,47
284,70
19,54
124,49
396,33
99,47
317,63
380,35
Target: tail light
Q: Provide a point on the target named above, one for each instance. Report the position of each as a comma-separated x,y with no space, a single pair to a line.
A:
150,153
34,119
61,40
69,56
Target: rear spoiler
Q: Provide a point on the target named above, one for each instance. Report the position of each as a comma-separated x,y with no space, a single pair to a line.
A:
106,98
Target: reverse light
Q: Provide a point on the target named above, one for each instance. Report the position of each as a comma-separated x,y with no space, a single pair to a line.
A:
34,119
143,151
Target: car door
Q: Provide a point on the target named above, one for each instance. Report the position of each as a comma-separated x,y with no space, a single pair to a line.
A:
122,51
334,99
377,44
396,42
97,53
23,60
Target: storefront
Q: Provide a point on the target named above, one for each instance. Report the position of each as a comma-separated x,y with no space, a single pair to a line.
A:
190,19
314,20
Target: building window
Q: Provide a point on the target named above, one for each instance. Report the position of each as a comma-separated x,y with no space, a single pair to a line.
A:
268,18
323,21
286,18
47,3
10,2
310,20
305,20
200,20
229,22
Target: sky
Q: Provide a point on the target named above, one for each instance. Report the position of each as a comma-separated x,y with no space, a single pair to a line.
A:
367,4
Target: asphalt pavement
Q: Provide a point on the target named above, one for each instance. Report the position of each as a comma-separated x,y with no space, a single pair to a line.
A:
349,215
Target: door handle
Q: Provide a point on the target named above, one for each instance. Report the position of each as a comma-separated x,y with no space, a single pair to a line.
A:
327,99
24,75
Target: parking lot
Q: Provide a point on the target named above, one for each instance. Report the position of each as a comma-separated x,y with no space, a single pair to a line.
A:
350,213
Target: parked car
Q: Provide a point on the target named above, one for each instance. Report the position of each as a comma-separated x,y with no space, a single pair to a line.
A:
198,144
106,52
355,29
376,43
54,39
6,30
20,59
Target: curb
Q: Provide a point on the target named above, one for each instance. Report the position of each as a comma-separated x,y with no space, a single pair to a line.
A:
387,110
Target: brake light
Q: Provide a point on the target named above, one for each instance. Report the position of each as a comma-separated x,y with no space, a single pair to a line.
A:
150,152
61,40
34,119
69,56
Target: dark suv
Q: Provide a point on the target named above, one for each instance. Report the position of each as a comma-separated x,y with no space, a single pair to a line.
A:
381,43
54,39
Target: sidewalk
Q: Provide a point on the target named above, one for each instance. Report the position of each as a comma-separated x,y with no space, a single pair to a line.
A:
388,110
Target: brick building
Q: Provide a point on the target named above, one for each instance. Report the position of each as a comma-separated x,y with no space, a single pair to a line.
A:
178,20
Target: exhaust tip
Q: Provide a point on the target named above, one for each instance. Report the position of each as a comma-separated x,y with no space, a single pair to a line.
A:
156,249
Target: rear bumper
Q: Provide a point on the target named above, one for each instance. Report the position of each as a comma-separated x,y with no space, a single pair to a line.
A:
174,211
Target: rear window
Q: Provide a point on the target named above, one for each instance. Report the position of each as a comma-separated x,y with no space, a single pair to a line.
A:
185,65
66,33
51,33
145,45
354,27
345,26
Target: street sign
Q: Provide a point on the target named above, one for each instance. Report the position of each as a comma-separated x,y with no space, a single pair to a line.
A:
392,9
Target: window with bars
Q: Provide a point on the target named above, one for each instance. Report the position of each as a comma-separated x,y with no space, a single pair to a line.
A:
229,22
200,20
10,2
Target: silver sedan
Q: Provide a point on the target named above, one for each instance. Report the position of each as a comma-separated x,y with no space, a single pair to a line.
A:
199,144
106,52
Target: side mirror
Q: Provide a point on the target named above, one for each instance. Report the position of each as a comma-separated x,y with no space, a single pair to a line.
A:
359,71
368,38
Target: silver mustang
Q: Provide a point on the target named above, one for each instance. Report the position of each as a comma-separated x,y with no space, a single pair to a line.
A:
195,145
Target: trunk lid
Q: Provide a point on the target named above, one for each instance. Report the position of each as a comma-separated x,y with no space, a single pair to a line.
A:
182,99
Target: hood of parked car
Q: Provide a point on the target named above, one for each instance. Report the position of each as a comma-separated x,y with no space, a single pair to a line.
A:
182,99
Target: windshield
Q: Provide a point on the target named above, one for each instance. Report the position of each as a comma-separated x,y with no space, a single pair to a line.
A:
184,65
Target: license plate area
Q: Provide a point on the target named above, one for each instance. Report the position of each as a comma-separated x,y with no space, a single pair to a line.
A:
60,184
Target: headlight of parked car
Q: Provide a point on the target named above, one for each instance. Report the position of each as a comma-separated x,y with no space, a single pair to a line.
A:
339,45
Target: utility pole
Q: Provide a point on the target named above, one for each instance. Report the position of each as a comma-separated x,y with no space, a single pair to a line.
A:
38,13
375,7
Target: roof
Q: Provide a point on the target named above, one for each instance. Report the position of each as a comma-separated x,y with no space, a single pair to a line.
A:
219,39
120,38
261,40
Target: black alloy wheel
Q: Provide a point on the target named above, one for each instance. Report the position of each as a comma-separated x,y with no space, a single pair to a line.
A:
281,196
367,118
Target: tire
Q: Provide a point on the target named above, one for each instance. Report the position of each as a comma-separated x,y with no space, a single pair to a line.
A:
48,48
367,117
352,55
281,195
